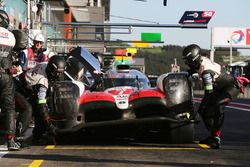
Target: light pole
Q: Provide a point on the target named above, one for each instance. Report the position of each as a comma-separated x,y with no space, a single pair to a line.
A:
28,14
231,51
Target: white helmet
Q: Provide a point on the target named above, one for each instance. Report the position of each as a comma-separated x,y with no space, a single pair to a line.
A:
39,37
7,42
7,38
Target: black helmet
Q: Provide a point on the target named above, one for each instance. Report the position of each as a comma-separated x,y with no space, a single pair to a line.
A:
191,56
55,68
74,67
4,19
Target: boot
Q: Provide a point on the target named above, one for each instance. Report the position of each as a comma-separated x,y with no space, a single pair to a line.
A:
13,145
216,143
44,114
22,142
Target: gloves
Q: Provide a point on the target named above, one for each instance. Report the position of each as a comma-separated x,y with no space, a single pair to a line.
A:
242,81
15,70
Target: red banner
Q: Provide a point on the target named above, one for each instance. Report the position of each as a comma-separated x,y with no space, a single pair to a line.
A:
247,36
120,52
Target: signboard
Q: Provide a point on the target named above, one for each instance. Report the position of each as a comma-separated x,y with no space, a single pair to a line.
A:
227,36
120,52
248,36
150,37
141,44
132,50
122,58
196,17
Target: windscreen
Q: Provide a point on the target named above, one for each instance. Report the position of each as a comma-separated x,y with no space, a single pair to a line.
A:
131,78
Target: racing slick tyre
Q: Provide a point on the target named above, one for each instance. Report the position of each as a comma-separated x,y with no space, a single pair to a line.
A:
182,134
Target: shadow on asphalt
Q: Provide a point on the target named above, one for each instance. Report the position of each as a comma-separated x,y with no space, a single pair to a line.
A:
110,161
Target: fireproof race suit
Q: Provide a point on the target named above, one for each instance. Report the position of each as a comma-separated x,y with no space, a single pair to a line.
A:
220,88
29,59
7,102
36,78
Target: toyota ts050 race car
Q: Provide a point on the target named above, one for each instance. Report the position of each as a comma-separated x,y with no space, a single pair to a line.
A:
121,98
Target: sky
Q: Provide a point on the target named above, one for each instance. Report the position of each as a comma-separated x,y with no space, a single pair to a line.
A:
228,13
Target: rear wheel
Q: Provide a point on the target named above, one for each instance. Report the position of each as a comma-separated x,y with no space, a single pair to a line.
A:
182,134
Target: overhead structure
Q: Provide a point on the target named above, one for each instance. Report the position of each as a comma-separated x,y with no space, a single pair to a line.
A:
78,32
79,24
164,2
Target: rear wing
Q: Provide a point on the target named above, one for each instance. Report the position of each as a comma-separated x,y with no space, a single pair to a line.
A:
196,17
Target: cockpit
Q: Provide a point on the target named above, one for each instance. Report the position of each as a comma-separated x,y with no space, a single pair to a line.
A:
133,78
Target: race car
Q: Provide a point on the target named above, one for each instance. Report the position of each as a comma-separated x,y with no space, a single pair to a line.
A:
122,99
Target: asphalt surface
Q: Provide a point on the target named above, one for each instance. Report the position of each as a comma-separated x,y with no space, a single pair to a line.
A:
100,151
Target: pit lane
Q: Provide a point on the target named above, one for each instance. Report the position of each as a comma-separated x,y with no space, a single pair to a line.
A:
75,155
235,150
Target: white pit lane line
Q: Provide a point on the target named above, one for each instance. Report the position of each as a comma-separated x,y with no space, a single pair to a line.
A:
3,150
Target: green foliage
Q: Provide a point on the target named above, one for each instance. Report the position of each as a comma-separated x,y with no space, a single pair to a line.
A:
158,60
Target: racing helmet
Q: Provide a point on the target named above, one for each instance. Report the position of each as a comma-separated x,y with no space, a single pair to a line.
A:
191,56
7,42
74,67
55,68
4,19
39,37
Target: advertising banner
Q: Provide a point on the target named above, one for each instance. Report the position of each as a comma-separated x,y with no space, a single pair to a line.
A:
150,37
248,36
226,36
196,17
